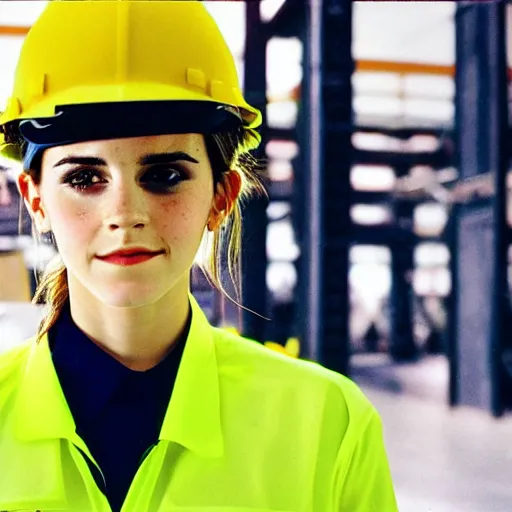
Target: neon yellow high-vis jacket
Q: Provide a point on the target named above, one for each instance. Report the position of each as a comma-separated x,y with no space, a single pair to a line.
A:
246,430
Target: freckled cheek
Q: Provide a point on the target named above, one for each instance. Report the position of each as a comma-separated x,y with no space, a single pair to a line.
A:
72,224
182,220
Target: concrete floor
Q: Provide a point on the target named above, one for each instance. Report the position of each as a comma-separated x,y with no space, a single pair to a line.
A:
427,378
445,460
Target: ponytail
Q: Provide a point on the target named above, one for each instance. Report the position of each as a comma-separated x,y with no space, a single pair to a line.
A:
52,291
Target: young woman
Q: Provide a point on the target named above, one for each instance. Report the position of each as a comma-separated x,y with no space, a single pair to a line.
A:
134,138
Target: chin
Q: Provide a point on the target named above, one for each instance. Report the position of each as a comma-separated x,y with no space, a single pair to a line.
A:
128,297
127,302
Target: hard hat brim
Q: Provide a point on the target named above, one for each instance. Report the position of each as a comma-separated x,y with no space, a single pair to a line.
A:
101,121
124,93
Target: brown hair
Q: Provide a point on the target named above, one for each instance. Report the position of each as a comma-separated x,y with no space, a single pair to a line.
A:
226,152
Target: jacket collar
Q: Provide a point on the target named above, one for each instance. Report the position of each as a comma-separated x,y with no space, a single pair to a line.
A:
193,417
193,414
91,377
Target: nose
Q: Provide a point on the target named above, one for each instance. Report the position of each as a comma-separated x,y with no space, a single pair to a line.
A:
128,207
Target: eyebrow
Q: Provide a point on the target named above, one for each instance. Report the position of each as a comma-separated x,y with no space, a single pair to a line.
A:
150,159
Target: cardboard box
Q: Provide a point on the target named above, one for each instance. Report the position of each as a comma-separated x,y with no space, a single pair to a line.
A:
14,278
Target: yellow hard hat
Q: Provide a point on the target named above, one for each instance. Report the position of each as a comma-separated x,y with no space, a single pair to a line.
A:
115,51
292,347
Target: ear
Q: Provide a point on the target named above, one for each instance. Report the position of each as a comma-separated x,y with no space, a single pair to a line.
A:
29,191
224,200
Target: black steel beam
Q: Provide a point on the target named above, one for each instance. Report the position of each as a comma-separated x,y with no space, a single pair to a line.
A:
280,190
370,197
282,134
386,234
479,303
436,159
327,104
405,133
288,19
402,344
254,235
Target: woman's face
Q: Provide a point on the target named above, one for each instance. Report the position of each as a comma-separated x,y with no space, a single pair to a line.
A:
155,192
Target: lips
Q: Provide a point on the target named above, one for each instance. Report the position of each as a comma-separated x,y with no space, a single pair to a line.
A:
123,258
130,253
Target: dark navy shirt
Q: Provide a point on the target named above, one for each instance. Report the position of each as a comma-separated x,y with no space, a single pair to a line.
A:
118,412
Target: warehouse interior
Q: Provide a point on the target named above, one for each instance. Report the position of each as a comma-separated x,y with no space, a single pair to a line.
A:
383,249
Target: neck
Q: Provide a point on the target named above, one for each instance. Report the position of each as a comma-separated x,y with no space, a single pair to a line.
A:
138,337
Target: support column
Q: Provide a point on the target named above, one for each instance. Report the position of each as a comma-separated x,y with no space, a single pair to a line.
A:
480,291
328,154
254,236
402,345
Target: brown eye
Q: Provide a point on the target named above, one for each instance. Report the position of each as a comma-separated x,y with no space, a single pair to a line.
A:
161,179
82,179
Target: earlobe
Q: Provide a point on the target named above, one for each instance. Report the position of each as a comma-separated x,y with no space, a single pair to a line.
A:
217,215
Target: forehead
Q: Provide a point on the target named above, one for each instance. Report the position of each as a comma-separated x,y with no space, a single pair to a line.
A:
130,148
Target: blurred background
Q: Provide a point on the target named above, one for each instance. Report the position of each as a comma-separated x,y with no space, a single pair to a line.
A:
383,249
